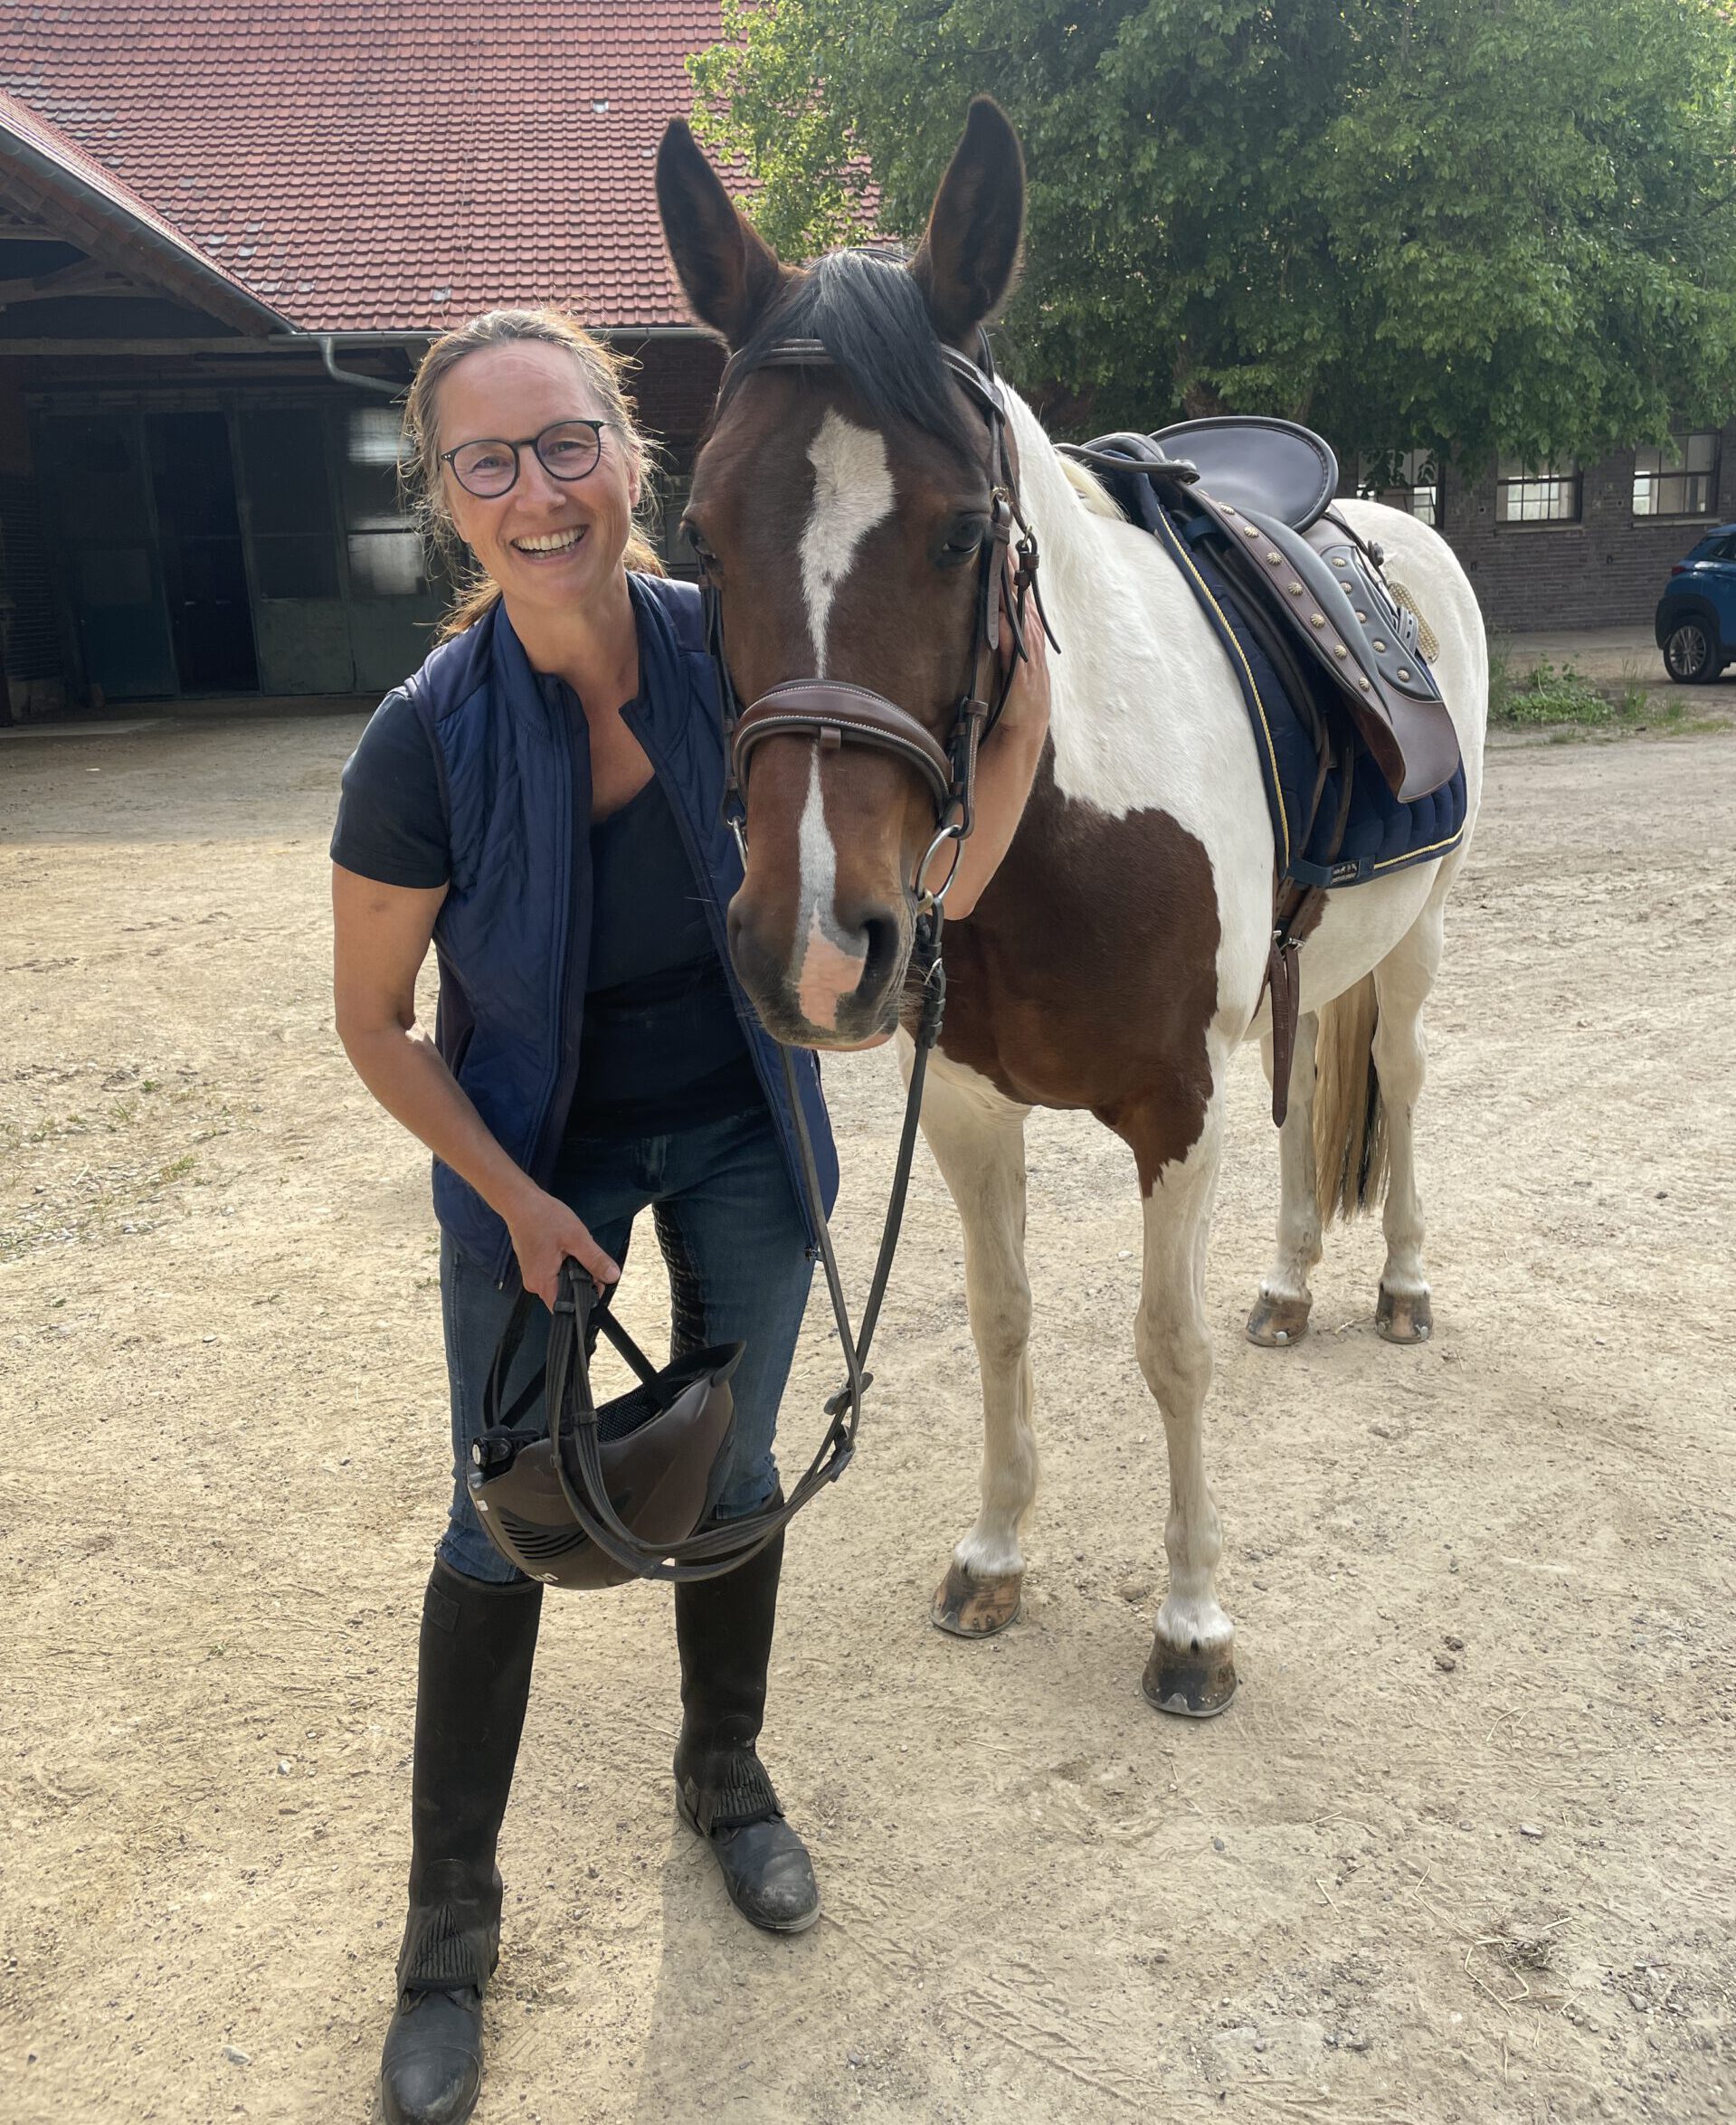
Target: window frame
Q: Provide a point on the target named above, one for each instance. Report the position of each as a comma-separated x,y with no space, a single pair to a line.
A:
1411,465
361,524
1682,472
1567,475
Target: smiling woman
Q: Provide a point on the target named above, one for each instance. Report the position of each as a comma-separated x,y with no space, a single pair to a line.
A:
531,356
542,802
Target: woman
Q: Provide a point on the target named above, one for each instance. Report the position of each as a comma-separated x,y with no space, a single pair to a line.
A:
542,802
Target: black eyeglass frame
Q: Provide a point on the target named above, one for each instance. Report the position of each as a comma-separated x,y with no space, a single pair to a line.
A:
527,442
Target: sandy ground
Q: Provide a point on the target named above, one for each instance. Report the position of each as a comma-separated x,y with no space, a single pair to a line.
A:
1462,1850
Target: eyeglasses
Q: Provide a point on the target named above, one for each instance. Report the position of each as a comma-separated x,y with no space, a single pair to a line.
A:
567,450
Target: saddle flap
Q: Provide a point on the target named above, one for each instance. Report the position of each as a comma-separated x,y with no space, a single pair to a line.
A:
1329,596
1279,467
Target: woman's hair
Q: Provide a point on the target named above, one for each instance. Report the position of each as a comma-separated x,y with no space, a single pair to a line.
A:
603,370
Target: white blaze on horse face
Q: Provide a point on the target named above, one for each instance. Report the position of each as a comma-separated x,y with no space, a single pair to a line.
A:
852,494
827,970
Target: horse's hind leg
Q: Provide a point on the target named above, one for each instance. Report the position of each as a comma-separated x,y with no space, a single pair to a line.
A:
1402,980
978,1139
1191,1668
1280,1314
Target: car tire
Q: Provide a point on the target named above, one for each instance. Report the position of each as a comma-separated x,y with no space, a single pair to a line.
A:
1693,654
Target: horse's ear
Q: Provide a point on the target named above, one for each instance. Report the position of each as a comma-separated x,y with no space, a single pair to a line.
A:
728,273
969,256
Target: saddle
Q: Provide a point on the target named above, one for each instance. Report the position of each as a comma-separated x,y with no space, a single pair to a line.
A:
1331,665
1254,493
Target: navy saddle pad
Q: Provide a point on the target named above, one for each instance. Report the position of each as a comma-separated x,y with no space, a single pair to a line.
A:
1382,834
1289,473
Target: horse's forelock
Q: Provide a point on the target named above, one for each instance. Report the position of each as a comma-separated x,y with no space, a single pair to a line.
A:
868,314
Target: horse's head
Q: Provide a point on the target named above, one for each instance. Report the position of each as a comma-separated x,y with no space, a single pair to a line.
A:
840,505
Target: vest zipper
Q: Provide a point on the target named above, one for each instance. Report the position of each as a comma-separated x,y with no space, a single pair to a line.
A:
559,1095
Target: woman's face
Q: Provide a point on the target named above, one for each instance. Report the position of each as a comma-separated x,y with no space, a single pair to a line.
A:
511,392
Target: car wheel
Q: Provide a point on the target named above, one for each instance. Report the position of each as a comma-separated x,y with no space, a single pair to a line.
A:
1692,654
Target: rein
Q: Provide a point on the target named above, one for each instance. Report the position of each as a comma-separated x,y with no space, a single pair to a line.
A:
836,715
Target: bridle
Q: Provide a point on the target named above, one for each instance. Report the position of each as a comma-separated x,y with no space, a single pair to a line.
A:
835,714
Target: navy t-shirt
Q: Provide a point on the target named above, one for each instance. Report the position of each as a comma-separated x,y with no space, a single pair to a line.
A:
662,1047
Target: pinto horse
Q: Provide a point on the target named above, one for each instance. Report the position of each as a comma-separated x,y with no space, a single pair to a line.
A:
1117,958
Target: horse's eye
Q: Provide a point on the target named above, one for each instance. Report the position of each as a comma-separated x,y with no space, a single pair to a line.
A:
962,539
696,539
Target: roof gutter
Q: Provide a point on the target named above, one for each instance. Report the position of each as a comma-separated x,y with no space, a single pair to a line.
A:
327,341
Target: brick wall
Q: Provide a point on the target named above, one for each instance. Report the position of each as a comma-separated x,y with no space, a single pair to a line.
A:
1608,570
675,382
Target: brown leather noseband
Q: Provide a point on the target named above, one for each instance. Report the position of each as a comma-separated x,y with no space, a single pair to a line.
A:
836,714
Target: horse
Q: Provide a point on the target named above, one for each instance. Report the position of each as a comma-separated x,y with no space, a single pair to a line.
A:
1117,959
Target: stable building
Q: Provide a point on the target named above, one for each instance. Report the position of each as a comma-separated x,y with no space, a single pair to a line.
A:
225,243
1589,546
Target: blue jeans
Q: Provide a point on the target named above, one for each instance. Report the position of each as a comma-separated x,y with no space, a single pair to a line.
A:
736,1249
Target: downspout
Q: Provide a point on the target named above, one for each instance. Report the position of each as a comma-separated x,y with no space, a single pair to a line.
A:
352,376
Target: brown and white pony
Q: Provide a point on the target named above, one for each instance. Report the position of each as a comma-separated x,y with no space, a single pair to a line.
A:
1117,958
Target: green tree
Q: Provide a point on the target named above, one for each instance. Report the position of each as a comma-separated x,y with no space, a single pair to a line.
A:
1475,225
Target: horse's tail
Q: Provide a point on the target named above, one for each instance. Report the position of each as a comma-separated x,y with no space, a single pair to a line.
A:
1350,1120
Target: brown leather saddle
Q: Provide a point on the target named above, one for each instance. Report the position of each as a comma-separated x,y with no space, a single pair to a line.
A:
1264,489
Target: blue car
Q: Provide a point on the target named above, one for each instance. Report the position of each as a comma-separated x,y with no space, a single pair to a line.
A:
1696,616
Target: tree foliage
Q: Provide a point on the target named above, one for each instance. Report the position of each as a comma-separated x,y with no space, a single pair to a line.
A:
1474,225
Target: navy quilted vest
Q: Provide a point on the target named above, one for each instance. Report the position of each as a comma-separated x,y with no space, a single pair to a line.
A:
513,932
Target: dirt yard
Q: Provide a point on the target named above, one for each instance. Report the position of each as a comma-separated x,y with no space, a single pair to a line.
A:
1464,1849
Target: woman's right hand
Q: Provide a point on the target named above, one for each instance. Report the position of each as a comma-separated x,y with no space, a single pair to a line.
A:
544,1233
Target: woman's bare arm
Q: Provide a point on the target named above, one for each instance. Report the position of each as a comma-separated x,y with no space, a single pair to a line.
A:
1006,767
381,935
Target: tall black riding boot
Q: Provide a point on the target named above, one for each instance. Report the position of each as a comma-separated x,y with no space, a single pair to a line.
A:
724,1629
473,1679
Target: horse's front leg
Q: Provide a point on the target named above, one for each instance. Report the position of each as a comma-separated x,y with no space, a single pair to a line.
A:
1192,1669
978,1140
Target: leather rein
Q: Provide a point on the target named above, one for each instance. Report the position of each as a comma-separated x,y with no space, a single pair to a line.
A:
836,715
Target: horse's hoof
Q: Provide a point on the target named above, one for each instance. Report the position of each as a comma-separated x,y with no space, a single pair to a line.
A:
1194,1684
972,1607
1404,1316
1276,1323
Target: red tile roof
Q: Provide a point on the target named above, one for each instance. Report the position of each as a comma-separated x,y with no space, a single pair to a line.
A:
85,180
382,165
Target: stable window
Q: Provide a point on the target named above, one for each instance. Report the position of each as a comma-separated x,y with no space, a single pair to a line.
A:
1678,478
386,550
1405,479
1537,494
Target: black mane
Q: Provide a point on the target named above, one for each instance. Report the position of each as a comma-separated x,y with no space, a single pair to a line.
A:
870,315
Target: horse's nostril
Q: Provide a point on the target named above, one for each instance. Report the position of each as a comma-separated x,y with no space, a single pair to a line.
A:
884,943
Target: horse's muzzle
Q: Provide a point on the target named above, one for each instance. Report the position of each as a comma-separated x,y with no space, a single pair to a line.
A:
831,988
